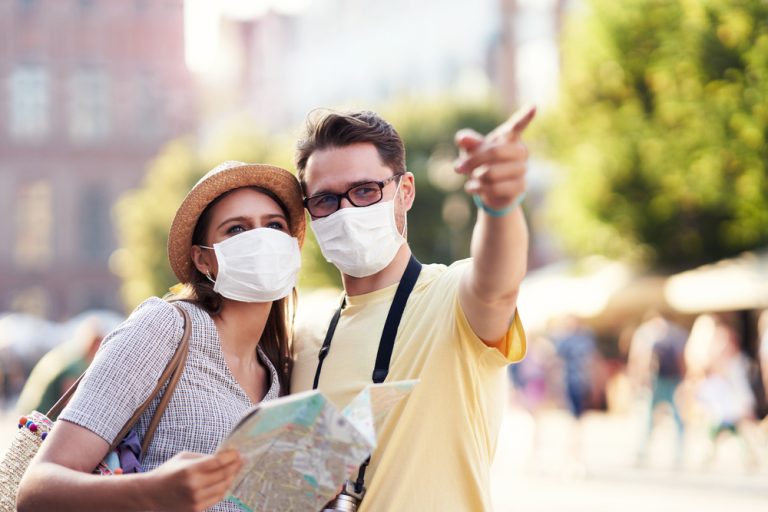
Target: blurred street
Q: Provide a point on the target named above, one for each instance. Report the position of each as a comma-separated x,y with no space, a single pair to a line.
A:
609,478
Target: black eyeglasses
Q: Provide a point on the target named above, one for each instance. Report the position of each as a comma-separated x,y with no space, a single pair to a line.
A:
365,194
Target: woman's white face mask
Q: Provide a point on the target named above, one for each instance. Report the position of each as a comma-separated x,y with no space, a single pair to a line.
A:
360,241
258,265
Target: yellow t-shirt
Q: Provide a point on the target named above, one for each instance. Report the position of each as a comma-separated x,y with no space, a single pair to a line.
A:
435,449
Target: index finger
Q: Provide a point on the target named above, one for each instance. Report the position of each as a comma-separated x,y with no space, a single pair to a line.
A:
513,127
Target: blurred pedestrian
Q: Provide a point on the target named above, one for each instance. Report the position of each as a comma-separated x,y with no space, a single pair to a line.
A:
234,243
726,394
24,339
531,376
762,352
59,369
532,387
576,346
577,349
700,346
656,363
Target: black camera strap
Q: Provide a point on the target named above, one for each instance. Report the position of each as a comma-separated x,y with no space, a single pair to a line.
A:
386,343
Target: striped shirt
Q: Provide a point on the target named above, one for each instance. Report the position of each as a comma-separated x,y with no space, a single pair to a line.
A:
206,404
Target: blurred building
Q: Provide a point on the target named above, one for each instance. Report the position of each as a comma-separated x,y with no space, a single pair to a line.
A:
524,59
364,52
90,91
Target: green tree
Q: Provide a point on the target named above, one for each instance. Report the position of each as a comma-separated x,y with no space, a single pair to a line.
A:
661,130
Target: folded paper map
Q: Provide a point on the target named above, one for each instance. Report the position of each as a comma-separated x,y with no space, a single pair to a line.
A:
298,450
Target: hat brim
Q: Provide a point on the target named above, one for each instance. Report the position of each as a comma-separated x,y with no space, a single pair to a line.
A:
280,182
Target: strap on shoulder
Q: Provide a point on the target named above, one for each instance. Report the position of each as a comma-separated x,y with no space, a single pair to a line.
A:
171,375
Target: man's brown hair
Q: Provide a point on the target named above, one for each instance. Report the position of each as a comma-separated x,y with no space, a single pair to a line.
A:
339,129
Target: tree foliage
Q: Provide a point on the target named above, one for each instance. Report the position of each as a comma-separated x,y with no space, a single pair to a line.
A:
661,130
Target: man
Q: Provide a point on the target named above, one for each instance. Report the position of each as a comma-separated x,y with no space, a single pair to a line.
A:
459,328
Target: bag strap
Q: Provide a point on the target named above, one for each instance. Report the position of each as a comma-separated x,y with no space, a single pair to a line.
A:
384,353
389,333
171,375
54,411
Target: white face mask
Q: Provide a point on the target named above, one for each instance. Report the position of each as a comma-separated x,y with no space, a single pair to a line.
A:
360,241
258,265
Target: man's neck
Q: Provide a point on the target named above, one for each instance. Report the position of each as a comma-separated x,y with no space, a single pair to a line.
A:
391,274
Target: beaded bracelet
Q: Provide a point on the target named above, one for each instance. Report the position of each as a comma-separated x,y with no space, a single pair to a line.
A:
500,212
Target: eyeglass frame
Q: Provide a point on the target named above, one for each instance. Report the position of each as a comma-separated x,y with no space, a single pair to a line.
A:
345,195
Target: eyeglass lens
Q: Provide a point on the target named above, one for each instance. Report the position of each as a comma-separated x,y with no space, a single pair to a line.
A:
361,195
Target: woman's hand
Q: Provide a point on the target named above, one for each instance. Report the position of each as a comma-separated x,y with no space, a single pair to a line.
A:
191,481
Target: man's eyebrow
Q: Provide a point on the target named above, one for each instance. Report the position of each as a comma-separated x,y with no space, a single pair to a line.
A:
348,186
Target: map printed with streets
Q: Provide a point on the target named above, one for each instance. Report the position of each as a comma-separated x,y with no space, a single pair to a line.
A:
298,450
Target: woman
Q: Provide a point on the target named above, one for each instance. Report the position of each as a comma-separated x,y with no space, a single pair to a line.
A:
234,243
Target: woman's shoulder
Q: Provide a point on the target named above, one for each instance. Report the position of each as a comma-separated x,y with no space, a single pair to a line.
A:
154,309
154,320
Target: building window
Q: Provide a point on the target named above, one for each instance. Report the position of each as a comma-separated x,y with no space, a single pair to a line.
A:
26,4
29,96
95,237
34,229
32,301
89,106
149,109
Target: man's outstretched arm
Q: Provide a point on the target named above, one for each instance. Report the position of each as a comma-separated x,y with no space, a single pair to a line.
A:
495,166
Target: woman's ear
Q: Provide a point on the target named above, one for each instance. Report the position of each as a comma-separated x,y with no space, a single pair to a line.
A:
202,260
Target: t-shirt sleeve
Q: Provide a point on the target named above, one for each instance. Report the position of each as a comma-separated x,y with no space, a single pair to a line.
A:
126,369
510,349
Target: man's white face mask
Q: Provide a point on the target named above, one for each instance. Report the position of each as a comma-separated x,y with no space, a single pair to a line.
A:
258,265
360,241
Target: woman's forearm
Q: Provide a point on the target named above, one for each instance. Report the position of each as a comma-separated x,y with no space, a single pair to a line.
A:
54,487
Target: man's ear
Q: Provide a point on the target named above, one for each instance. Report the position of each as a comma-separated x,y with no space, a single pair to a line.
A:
408,189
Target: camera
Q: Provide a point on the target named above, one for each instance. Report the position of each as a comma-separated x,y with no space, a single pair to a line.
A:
342,503
346,501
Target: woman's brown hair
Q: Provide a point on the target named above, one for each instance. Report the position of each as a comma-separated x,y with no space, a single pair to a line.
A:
276,339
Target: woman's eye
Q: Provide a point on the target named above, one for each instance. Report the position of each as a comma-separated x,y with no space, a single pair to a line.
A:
277,225
236,229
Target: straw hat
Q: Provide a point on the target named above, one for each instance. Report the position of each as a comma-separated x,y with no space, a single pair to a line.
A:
223,178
